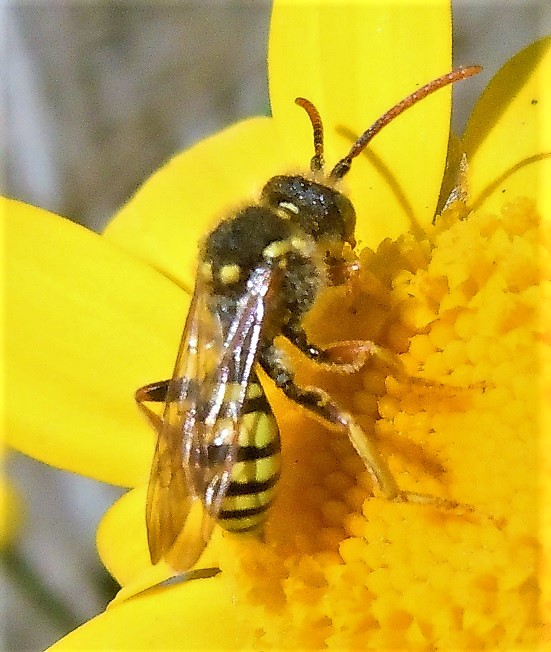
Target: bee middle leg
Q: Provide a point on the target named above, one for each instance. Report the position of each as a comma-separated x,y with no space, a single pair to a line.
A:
320,404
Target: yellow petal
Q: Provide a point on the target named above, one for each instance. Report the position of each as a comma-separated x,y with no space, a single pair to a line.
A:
196,615
122,545
508,138
174,209
121,537
86,326
545,511
354,60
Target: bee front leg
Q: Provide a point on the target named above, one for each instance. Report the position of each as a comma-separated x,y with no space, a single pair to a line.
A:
343,272
347,356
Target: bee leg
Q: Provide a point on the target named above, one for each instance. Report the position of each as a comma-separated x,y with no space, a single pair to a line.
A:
349,356
345,357
343,272
161,391
321,405
153,393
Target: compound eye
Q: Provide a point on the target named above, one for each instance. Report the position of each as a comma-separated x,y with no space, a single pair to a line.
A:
277,194
348,217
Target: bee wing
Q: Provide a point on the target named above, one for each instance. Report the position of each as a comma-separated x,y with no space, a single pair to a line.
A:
198,435
169,499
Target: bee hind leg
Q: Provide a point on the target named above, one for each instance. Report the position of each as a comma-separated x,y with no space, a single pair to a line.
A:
153,393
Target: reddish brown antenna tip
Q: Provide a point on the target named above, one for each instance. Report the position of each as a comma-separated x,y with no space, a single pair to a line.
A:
316,164
342,167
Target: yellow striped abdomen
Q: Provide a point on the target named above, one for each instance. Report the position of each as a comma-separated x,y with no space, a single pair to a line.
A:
256,471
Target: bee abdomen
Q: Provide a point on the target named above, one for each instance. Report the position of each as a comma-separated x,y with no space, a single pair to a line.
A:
255,474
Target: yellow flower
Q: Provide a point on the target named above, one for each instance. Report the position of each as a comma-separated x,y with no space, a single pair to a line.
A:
462,303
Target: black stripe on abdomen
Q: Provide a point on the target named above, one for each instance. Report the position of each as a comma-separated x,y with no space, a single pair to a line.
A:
252,486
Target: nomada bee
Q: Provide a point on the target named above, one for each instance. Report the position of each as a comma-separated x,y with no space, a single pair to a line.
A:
217,458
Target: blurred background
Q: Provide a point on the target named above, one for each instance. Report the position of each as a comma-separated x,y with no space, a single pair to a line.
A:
95,97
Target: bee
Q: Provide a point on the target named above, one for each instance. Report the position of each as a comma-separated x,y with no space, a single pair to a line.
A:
217,457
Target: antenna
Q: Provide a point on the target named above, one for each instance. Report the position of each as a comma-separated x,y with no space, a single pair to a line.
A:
317,162
342,167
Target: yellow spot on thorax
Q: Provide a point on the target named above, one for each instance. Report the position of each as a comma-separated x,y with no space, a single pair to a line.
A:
229,274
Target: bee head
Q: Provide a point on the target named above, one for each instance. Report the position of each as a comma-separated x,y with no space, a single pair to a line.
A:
315,204
316,208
